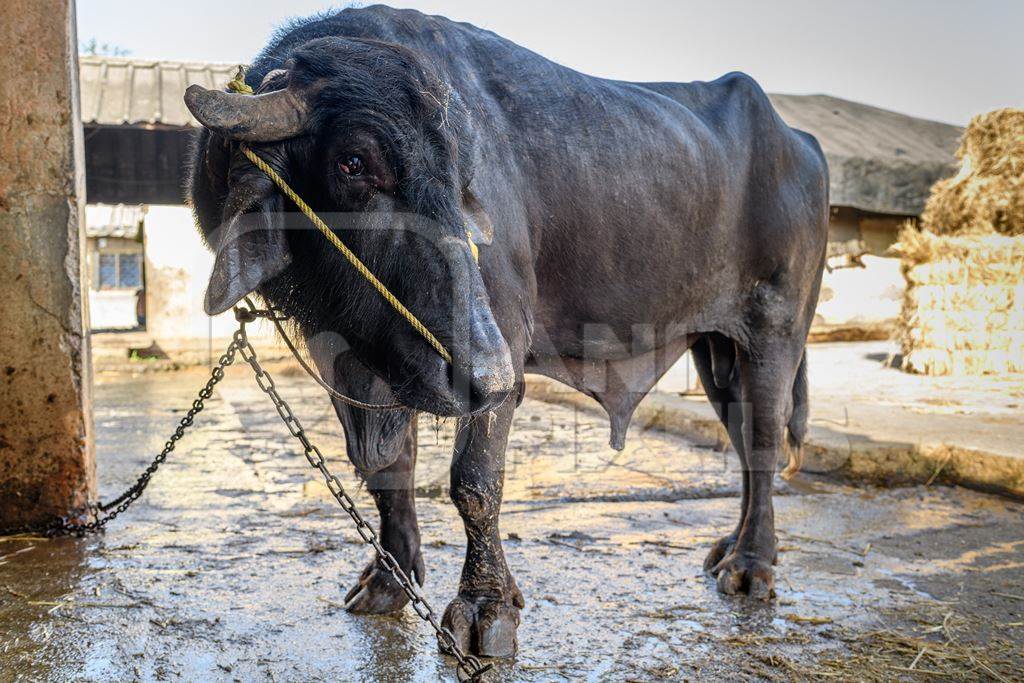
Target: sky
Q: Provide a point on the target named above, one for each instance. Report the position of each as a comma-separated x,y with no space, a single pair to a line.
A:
939,59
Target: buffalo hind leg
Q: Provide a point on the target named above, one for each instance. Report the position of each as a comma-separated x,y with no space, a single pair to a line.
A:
392,489
766,378
726,402
485,614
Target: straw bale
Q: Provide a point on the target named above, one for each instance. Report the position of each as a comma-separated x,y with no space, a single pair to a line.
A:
963,340
925,246
963,274
983,322
963,310
950,297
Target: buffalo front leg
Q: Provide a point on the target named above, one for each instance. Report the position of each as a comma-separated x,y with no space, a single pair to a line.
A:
485,614
767,385
393,490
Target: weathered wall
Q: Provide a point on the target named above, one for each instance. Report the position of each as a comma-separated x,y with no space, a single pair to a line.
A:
851,231
178,266
113,309
46,459
859,302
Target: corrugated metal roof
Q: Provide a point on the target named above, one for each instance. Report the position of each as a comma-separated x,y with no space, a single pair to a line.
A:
117,91
114,220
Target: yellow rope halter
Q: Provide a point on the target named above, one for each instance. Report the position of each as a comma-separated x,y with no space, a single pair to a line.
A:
239,85
346,252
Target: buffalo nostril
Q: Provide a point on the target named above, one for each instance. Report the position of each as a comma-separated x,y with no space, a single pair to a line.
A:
483,385
478,387
489,386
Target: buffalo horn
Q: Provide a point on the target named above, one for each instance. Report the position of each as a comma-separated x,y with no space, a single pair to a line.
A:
270,117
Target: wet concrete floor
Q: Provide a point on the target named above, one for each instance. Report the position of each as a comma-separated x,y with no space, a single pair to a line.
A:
234,564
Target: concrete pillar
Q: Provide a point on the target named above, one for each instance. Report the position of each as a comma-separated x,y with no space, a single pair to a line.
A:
46,458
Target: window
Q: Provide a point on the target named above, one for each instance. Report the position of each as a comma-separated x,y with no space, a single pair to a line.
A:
129,270
119,271
108,271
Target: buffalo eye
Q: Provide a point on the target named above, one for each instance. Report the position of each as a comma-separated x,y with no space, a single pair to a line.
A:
353,166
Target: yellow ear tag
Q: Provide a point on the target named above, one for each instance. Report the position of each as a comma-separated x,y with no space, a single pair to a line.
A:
238,84
472,246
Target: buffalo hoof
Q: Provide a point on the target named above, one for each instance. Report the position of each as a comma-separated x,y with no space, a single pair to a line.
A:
723,547
377,592
745,573
484,626
719,550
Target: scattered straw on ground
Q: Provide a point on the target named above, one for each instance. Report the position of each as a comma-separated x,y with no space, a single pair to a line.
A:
927,641
946,644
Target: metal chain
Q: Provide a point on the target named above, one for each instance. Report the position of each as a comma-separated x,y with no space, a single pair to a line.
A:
469,667
275,316
69,526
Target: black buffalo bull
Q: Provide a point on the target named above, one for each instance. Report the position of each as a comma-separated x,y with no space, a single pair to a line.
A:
618,225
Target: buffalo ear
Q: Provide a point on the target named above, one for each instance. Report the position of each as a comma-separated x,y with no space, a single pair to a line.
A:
477,221
252,249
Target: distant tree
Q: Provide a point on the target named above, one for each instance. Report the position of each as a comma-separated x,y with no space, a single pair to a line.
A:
94,48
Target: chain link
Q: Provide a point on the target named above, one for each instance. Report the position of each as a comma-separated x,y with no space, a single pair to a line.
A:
104,513
469,668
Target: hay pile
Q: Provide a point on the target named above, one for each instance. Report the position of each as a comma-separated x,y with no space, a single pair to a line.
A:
987,195
963,311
